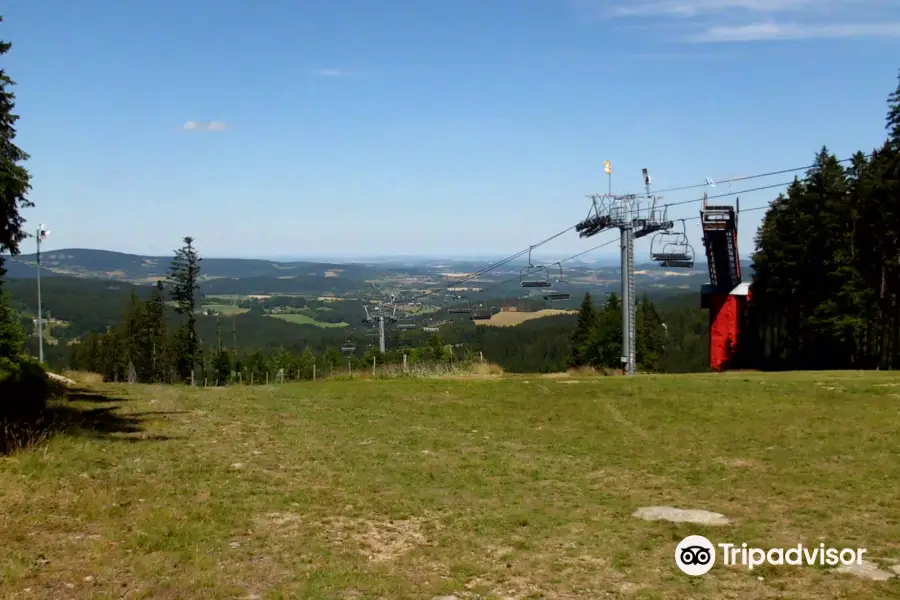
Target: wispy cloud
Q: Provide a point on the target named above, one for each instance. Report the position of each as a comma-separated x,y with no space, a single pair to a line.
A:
329,73
711,21
791,31
204,126
693,8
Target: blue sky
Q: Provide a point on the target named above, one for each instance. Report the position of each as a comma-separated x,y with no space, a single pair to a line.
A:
355,127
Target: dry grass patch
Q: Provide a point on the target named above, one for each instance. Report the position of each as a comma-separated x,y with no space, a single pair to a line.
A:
85,378
512,318
379,541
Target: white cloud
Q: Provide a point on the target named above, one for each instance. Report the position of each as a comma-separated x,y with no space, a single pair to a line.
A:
204,126
693,8
789,31
329,73
710,21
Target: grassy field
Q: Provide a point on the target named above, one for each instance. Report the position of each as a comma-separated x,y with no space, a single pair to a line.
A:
301,319
508,319
520,487
226,310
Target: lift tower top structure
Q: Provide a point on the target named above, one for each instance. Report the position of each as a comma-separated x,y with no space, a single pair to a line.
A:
635,216
382,313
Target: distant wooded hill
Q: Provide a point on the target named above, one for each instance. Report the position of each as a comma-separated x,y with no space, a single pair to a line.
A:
106,264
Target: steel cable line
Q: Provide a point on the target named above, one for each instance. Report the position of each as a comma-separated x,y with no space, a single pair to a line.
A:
743,210
511,258
725,195
746,177
494,266
574,256
604,244
607,243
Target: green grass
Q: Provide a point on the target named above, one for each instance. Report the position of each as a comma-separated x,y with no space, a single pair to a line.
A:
301,319
225,310
518,487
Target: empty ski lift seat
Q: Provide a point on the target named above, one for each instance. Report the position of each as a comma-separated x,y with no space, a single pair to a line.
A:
534,277
557,296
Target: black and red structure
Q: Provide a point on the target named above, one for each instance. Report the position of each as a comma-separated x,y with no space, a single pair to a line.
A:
725,295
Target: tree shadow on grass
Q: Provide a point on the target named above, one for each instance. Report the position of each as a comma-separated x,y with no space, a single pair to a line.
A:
82,395
60,417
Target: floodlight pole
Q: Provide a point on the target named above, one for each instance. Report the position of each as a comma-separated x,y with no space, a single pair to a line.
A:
40,323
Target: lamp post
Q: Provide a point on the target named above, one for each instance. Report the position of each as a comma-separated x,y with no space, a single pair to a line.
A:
39,236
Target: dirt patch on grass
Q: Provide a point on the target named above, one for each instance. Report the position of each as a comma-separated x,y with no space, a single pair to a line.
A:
740,463
278,523
380,541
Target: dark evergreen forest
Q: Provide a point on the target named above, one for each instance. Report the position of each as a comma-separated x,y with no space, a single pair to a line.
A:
826,288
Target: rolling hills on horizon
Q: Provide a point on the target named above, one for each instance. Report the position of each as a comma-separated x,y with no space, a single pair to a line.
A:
109,264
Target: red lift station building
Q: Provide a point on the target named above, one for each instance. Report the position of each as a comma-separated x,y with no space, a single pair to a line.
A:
725,296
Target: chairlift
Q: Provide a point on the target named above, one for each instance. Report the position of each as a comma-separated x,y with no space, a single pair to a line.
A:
482,314
672,249
348,347
554,296
684,261
534,276
465,309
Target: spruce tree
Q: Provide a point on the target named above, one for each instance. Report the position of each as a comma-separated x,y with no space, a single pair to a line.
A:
604,347
587,319
15,183
184,274
156,335
650,336
134,340
221,363
893,116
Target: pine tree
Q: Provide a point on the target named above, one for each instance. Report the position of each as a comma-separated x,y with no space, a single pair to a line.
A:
893,116
135,340
12,336
587,320
604,346
221,363
184,274
15,183
156,335
650,336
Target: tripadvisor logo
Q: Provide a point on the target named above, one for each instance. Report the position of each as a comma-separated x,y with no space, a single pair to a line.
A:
696,555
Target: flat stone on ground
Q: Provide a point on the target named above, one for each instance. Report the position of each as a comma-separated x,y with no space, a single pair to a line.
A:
867,570
680,515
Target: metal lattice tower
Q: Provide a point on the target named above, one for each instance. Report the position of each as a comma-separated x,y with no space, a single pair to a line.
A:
626,240
634,216
383,312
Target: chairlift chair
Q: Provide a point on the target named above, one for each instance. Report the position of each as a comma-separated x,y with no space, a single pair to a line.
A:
681,257
555,296
465,309
482,314
534,276
348,347
672,248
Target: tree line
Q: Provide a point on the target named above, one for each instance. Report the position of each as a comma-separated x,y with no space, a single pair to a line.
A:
826,283
597,338
144,347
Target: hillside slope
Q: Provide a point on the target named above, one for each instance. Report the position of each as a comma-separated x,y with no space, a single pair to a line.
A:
488,489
